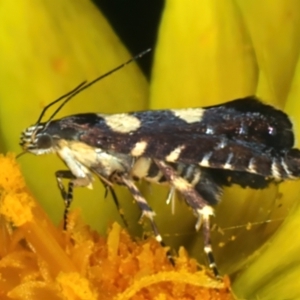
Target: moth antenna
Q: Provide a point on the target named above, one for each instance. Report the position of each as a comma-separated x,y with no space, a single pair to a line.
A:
86,84
57,100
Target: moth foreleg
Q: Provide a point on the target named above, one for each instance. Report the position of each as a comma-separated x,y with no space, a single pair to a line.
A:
199,205
68,195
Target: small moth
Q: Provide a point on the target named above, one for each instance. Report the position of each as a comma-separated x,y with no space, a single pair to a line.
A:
196,151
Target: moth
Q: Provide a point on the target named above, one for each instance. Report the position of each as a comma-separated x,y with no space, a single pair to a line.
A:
196,151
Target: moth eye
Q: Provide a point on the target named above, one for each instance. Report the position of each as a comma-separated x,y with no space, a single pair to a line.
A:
44,141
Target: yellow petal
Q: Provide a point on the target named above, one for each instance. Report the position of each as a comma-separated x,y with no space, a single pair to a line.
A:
273,26
47,48
203,55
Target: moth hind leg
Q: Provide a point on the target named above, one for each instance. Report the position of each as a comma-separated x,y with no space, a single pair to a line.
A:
145,209
207,244
200,206
110,189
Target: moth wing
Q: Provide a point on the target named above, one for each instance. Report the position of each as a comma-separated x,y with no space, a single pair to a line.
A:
245,120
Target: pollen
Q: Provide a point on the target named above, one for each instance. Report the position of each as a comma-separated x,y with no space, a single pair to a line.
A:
17,208
81,264
15,202
74,285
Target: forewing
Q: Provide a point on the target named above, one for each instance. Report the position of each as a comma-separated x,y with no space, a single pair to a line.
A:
245,119
228,136
250,120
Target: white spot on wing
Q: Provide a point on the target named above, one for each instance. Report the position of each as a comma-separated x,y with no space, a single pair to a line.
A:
139,148
189,115
209,130
174,155
251,166
123,123
286,169
275,170
205,160
228,164
222,144
243,129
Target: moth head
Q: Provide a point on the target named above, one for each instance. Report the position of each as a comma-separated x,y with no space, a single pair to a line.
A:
36,140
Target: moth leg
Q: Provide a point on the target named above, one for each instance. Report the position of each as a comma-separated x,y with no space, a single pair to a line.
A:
143,205
207,245
202,209
109,188
171,199
146,210
68,195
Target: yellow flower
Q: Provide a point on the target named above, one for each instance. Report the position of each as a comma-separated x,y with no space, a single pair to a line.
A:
39,260
207,52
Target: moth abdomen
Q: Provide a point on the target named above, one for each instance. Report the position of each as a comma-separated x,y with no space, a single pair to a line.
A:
199,178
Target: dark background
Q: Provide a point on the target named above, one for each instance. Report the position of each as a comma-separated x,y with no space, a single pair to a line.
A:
136,23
